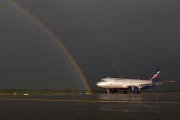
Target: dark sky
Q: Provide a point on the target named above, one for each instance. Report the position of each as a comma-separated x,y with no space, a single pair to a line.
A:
115,38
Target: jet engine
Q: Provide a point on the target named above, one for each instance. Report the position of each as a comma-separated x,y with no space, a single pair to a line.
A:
133,88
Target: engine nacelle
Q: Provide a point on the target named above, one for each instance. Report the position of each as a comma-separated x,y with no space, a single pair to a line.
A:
114,90
134,89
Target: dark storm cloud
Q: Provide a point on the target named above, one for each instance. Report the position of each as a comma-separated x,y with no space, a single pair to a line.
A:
106,38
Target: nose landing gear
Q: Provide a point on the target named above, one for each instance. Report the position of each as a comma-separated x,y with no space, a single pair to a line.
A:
107,91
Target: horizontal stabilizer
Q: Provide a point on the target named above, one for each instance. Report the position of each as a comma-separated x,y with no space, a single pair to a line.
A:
159,83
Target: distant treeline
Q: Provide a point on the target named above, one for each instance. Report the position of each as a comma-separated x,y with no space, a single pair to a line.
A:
67,91
47,91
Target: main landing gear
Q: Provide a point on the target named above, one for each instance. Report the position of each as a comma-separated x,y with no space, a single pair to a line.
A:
138,92
125,92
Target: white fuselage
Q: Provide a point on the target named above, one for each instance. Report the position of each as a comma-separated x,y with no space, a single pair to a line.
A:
118,83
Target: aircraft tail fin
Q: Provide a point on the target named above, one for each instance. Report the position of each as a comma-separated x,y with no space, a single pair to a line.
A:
156,76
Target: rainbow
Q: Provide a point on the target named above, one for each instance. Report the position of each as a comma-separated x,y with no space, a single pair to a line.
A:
56,39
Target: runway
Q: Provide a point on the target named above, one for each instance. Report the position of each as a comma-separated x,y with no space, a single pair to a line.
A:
93,106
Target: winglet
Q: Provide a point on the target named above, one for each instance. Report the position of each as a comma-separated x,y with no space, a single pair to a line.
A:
174,81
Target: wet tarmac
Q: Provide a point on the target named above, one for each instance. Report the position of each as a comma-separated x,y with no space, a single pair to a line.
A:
90,107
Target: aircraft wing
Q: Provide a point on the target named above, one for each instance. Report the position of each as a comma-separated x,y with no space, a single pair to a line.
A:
142,85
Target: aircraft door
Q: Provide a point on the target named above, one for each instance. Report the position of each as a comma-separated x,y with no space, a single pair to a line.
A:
110,82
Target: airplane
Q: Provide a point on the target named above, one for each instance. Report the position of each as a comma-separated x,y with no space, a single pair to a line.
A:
134,85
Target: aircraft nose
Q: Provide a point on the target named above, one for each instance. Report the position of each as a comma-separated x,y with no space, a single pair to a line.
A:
98,84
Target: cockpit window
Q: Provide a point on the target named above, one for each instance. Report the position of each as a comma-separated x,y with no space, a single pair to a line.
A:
102,81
